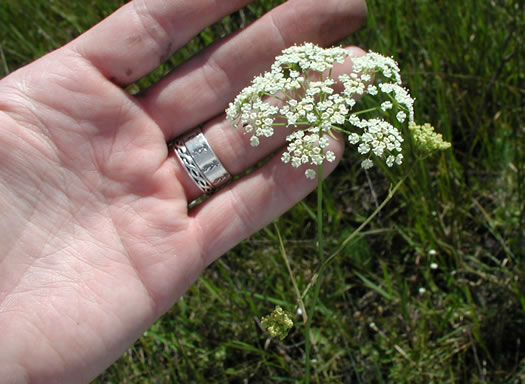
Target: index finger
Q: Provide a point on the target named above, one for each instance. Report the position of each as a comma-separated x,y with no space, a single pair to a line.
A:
142,34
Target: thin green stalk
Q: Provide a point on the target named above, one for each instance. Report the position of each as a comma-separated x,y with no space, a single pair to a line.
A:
300,301
320,248
365,111
391,193
316,277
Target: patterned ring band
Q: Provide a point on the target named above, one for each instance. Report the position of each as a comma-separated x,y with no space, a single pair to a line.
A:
199,160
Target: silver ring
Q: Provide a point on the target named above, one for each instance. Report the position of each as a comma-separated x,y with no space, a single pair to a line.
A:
199,160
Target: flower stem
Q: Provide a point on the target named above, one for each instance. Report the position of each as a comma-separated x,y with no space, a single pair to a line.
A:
365,111
320,248
352,236
356,232
300,302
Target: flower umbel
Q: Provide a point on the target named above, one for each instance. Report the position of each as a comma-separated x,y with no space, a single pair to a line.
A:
426,140
278,323
300,95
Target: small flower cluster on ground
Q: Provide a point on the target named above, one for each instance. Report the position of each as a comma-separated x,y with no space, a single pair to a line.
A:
278,323
300,94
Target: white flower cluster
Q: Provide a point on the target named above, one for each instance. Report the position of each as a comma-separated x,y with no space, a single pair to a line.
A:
308,57
299,94
379,137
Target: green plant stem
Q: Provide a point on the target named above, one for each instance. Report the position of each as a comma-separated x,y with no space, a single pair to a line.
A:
320,248
391,193
365,111
352,236
300,301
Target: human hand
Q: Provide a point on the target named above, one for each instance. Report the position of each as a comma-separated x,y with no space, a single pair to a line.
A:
96,240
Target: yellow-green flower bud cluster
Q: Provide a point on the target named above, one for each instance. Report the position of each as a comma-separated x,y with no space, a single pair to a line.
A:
426,141
278,323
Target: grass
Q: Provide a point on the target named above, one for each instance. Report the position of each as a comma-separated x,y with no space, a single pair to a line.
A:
463,210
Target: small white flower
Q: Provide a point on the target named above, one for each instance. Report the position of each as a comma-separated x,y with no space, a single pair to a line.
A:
363,149
323,142
372,89
434,266
354,120
310,174
422,291
311,117
330,156
432,252
254,141
353,138
317,159
401,116
386,105
367,164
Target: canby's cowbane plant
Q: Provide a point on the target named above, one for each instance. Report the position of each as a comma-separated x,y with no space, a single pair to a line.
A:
301,95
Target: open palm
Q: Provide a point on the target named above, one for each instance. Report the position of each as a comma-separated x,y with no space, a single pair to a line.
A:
96,239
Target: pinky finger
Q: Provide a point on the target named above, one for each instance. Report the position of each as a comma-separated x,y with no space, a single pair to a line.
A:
252,202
